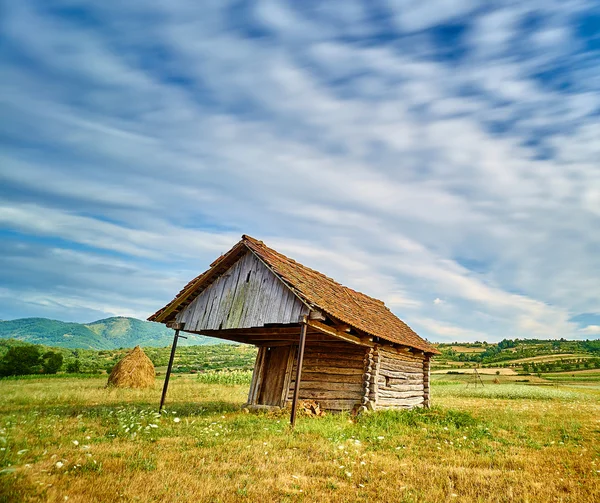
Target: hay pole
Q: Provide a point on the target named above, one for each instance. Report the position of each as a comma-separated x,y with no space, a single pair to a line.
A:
177,327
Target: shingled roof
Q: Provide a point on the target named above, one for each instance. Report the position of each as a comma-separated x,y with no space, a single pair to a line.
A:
353,308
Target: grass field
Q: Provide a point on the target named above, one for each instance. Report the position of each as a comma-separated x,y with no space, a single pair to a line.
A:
552,358
67,439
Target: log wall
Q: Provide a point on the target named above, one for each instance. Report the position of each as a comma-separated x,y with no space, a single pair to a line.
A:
332,375
400,380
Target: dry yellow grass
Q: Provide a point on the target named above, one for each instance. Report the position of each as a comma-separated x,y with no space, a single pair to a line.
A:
554,357
483,371
205,449
135,370
467,349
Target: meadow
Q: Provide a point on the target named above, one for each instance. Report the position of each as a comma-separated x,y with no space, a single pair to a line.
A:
69,439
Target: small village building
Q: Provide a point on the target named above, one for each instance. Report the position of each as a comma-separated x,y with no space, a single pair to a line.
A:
317,339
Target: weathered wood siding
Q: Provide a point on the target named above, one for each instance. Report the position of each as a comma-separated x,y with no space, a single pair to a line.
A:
332,375
400,380
247,295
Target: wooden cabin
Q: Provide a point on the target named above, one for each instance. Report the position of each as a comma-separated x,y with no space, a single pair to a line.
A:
353,353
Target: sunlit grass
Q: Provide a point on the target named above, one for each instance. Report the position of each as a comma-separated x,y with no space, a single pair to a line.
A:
507,391
225,377
75,438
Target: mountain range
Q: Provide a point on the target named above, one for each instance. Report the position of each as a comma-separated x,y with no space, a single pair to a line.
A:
110,333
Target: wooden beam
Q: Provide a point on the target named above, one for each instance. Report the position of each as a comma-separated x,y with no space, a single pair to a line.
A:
169,368
317,315
298,372
326,329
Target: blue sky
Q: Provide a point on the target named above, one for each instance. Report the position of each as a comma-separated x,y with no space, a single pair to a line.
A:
443,156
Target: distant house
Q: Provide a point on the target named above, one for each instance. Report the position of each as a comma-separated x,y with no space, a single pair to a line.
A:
354,353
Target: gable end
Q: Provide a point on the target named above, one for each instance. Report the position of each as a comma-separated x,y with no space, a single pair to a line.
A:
246,295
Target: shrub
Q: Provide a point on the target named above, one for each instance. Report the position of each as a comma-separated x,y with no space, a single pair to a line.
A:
74,367
51,362
21,360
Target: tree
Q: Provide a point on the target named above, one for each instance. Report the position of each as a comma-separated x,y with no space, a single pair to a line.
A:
74,366
20,360
51,362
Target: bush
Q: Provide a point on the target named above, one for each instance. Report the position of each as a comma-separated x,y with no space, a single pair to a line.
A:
21,360
51,362
74,367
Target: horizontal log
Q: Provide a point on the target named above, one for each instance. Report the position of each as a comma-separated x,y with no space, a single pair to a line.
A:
382,381
333,354
331,370
313,394
334,405
406,387
338,404
396,365
400,356
341,347
325,386
387,393
330,378
404,402
333,362
402,366
399,374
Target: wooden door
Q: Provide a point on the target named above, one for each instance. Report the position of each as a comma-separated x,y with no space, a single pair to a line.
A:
275,375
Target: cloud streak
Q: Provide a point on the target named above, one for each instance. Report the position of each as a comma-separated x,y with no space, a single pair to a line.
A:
416,152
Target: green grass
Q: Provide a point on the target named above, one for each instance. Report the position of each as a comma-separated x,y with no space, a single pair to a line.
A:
225,377
113,445
508,392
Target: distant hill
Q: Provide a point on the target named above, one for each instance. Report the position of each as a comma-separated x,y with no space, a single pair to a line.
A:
110,333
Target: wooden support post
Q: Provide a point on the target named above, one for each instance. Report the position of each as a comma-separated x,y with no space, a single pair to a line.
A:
298,372
170,366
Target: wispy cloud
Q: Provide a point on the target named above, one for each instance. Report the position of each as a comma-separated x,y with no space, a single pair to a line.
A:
416,151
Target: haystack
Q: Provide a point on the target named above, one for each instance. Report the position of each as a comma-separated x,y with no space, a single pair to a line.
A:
133,371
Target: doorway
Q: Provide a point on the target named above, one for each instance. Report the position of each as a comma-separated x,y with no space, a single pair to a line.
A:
272,375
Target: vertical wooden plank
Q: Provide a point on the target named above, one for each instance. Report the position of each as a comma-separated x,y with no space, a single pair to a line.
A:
252,293
232,318
231,302
274,376
228,295
211,323
256,376
288,375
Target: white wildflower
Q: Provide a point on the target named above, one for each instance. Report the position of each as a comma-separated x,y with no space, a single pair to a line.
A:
348,474
380,438
75,443
176,420
59,464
